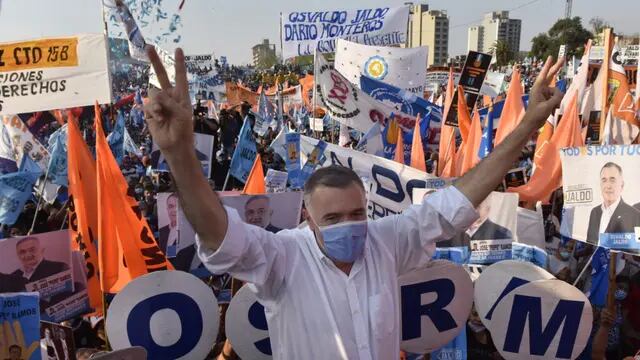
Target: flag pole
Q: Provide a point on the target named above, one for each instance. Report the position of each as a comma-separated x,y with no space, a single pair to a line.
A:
226,179
281,41
605,85
584,269
35,216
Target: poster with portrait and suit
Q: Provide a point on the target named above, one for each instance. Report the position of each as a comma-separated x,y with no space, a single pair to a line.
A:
203,145
601,199
491,236
41,263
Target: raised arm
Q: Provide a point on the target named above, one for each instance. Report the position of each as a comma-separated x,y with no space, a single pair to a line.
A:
478,183
170,121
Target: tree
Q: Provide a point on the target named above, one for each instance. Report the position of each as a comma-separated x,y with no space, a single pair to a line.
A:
598,24
569,32
503,53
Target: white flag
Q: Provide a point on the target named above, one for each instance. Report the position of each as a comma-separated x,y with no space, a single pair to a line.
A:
405,68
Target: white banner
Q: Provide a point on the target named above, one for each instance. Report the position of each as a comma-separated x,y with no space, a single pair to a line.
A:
53,73
306,31
405,68
390,184
351,106
316,124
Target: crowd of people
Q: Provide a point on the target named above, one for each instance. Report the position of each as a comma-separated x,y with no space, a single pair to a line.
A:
615,333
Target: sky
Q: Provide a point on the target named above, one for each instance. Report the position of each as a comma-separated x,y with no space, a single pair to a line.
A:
231,27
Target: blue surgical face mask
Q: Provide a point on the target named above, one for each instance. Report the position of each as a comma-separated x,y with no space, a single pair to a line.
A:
620,295
565,255
344,241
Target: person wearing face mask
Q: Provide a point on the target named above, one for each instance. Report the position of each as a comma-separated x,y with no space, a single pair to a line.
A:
562,262
330,290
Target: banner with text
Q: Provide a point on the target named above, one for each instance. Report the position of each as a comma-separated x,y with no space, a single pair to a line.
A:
304,32
53,73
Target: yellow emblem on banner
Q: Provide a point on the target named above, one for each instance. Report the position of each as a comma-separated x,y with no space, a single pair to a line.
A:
376,67
37,54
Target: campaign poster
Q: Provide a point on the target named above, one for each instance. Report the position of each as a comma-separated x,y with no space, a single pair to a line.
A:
472,77
43,263
307,32
272,212
490,237
169,235
19,324
203,146
275,181
601,201
515,178
56,342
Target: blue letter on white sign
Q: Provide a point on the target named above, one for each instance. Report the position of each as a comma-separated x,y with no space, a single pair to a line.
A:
412,306
567,311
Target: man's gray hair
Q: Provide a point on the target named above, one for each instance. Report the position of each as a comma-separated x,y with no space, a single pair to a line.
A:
611,164
256,198
27,239
333,176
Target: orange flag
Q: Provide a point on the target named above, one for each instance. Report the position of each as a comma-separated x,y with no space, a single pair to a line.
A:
513,110
470,154
255,182
547,176
464,120
417,151
399,154
447,146
83,210
127,246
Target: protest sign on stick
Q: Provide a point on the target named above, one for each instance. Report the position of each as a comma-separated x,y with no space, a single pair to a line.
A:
19,326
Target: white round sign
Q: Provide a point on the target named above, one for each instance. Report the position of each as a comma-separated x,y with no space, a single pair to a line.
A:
435,303
497,280
544,319
172,314
246,326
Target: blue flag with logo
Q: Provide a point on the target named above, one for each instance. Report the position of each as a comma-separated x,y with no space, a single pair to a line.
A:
407,138
405,101
57,168
245,153
116,139
265,115
20,320
599,277
456,348
292,160
15,189
312,161
129,145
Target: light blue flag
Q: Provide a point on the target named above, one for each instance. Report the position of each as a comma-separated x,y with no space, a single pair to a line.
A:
24,308
312,161
28,165
371,142
456,348
130,146
116,139
599,277
265,115
292,159
15,190
486,143
62,131
528,253
57,169
245,153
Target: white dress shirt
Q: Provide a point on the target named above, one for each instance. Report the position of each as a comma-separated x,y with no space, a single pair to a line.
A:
314,310
607,213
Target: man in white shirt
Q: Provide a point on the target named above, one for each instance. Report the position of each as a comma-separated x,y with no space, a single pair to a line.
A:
330,290
613,215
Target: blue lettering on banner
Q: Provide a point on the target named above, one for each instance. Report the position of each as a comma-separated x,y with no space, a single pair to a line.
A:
411,296
513,283
626,241
398,194
139,326
567,312
258,320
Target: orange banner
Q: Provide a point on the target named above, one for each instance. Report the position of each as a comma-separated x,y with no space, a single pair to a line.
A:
237,94
38,54
122,228
83,212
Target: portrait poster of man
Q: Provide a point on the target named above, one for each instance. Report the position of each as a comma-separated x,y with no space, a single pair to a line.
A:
56,342
204,148
272,212
169,234
601,199
39,263
490,237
